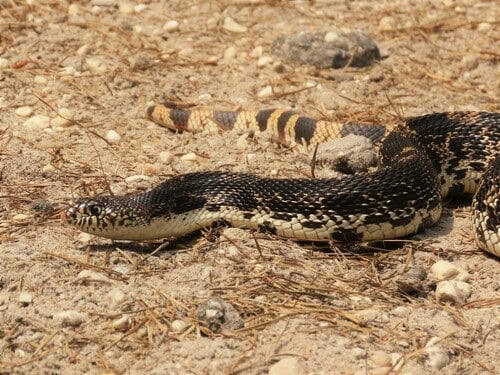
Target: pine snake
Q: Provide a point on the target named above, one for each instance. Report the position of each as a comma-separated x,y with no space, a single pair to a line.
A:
421,161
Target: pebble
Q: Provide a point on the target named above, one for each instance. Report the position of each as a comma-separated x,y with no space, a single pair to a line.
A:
351,47
166,157
179,325
256,52
20,218
37,122
230,53
83,50
453,291
387,23
4,63
69,318
278,67
41,80
263,61
73,9
84,238
139,8
64,118
205,97
469,62
484,27
381,359
444,270
413,281
171,26
104,3
125,7
137,177
150,169
437,357
87,276
232,26
112,136
287,366
95,64
122,324
116,298
358,353
218,314
186,52
265,92
191,157
68,71
25,298
24,111
331,36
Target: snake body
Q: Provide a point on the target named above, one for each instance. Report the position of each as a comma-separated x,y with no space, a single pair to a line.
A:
421,161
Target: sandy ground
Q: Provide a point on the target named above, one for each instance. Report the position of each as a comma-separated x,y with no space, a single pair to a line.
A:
132,310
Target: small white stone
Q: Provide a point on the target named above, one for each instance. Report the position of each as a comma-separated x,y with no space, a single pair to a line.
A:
113,137
4,63
83,50
25,298
73,9
453,291
37,122
104,3
469,62
24,111
444,270
251,158
171,26
331,36
139,8
232,26
137,177
256,52
265,92
186,52
190,157
166,157
19,218
95,64
88,276
68,71
205,97
116,298
48,168
96,10
69,318
122,324
125,7
264,60
230,53
41,80
484,27
387,23
381,359
287,366
437,356
64,118
179,325
358,353
84,238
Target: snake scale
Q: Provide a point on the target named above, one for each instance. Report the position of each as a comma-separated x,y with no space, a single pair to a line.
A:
421,161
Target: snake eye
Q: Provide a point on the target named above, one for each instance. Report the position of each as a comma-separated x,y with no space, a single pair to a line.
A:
95,210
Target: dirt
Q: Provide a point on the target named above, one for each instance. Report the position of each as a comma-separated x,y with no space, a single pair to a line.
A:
316,311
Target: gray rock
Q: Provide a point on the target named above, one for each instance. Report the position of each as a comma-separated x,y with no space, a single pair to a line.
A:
414,281
334,49
350,154
218,314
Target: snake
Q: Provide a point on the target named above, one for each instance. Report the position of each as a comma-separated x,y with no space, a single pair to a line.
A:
422,160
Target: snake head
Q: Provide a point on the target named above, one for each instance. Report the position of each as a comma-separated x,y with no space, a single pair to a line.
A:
107,217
